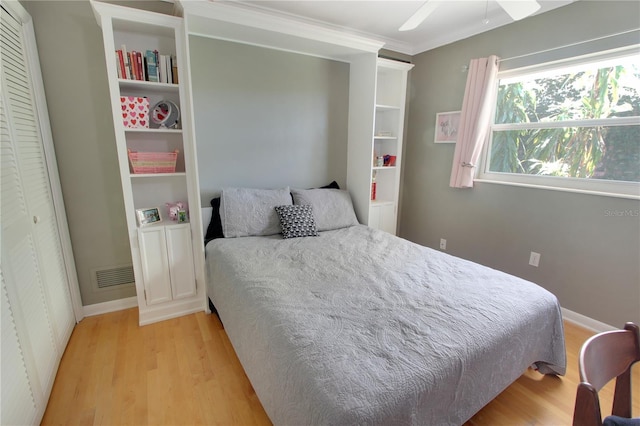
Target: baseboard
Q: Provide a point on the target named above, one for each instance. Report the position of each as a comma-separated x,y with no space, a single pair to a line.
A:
586,322
130,302
112,306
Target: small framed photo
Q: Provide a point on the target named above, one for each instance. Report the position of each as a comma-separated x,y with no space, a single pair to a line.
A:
148,216
447,127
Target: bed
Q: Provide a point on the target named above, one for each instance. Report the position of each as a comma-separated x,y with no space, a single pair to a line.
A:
355,326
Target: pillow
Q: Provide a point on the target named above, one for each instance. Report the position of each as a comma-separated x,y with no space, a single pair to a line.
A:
297,221
214,230
332,185
245,212
332,208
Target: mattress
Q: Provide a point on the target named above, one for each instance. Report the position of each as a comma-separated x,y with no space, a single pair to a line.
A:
359,327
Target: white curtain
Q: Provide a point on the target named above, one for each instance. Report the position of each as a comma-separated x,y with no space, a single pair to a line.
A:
475,119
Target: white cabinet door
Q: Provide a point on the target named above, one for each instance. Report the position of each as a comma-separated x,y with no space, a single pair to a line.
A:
388,218
374,217
155,264
183,280
166,255
383,217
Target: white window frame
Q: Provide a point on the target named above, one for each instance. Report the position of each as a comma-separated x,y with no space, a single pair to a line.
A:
590,186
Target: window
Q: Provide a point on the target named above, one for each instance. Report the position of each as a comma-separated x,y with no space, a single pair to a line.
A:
571,124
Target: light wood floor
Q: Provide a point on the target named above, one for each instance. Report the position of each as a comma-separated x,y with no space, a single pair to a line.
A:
185,372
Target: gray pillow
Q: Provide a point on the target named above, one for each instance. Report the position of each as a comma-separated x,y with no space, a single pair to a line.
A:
245,212
332,208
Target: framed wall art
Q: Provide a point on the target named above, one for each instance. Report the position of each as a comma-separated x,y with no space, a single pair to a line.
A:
447,127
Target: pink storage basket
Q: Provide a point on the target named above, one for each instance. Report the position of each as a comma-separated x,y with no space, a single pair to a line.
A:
153,162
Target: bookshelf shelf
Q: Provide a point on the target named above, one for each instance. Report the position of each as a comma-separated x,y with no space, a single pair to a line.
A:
382,107
157,175
148,85
151,130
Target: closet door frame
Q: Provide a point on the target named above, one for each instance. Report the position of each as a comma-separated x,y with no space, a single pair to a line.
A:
42,113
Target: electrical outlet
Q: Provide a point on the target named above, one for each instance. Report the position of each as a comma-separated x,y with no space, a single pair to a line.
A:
443,244
534,259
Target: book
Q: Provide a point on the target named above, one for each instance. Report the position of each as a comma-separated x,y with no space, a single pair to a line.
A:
163,69
167,59
127,63
152,68
157,55
118,70
141,70
174,69
122,73
134,66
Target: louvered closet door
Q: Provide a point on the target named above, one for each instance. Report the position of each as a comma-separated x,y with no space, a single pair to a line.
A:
18,405
32,263
25,290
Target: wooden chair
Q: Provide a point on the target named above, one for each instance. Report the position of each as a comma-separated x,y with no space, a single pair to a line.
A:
604,357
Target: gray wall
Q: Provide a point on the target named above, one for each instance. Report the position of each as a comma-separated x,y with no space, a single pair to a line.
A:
267,118
590,257
71,56
73,68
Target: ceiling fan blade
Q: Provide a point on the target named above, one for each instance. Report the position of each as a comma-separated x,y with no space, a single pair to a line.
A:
420,15
519,9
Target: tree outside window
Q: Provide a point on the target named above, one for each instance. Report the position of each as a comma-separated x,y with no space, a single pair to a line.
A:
577,122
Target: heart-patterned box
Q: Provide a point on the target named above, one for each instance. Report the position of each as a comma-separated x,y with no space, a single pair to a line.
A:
135,111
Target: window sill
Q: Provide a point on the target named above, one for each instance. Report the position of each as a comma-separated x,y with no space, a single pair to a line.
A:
559,188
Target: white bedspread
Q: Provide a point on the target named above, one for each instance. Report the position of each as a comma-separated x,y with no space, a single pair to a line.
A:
358,327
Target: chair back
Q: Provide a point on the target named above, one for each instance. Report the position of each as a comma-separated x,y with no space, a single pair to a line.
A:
604,357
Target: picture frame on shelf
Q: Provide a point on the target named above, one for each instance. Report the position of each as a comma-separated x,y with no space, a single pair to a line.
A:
447,124
148,216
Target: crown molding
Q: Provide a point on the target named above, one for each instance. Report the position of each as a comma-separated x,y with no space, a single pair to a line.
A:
238,22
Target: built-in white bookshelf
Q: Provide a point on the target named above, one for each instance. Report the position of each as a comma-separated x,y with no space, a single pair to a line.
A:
390,100
162,253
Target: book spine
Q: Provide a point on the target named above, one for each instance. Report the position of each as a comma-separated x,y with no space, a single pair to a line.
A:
130,70
118,65
134,66
145,67
141,73
163,69
158,65
152,69
121,72
127,63
167,60
174,69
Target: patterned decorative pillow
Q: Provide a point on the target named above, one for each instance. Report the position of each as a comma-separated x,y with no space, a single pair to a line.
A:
297,221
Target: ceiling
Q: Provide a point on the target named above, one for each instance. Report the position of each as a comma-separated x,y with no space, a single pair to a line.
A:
452,20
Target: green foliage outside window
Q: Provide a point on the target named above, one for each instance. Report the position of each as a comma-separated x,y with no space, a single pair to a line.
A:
537,145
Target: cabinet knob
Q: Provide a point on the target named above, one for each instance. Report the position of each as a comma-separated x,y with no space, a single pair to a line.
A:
36,219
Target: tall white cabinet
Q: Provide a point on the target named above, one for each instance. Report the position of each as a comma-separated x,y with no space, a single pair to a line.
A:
168,275
391,89
386,98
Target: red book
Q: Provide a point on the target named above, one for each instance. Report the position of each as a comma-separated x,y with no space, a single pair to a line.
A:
134,66
123,72
140,66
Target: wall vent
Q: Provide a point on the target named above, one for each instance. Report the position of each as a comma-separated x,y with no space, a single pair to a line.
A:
106,278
